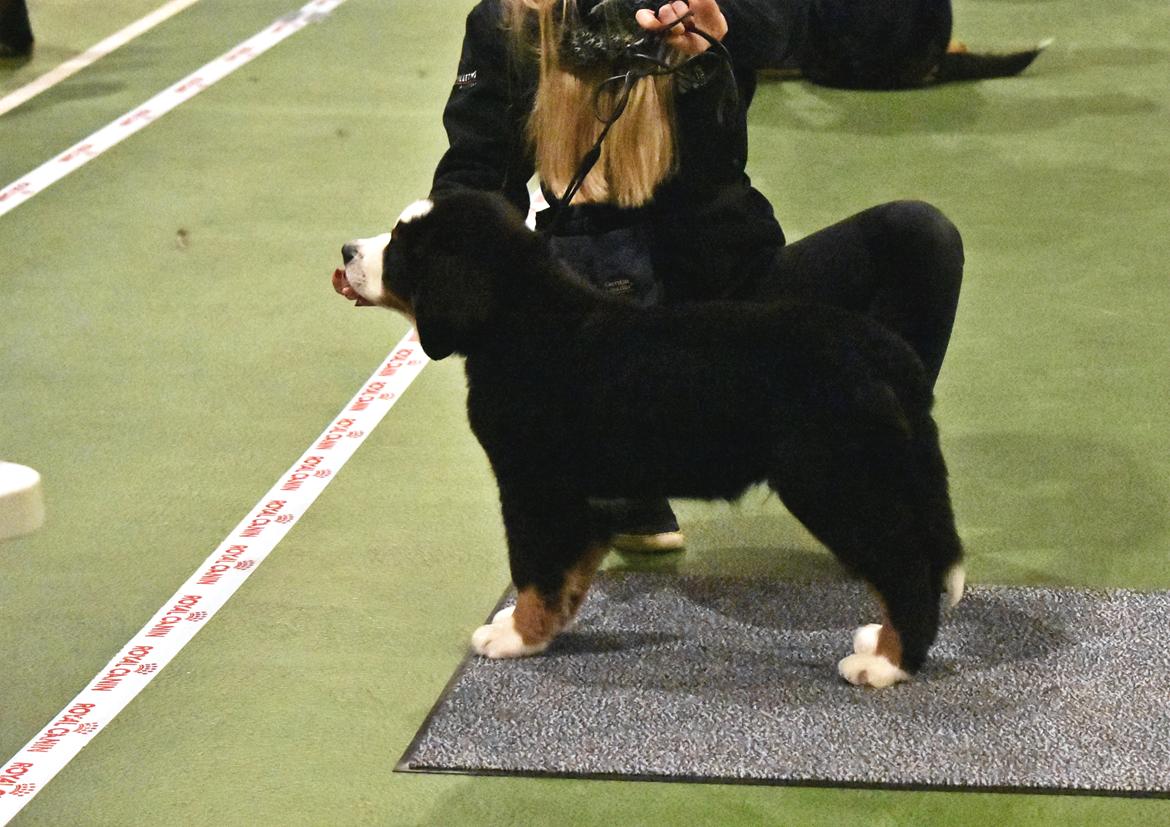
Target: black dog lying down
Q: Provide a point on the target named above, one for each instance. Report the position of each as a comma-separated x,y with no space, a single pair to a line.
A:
579,396
875,44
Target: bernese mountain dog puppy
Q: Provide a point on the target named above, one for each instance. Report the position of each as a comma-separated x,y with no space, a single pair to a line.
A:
579,397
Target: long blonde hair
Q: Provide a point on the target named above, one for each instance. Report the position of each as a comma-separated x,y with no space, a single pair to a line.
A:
639,151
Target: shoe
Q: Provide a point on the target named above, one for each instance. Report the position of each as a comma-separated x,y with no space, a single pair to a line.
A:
645,527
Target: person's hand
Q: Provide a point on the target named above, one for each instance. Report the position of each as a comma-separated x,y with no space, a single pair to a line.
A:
341,285
705,15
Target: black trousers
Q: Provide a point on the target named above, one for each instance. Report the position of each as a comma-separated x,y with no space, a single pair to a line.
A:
900,263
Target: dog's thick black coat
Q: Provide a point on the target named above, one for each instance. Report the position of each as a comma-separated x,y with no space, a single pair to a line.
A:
578,396
891,44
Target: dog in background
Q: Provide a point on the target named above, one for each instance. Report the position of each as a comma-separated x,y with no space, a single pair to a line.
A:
578,397
878,44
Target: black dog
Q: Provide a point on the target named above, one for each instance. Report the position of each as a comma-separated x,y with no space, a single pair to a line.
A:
876,44
578,396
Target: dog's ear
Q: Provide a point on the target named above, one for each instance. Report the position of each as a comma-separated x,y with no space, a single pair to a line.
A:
452,304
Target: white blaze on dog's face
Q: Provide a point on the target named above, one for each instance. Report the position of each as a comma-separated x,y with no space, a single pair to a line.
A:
363,266
364,257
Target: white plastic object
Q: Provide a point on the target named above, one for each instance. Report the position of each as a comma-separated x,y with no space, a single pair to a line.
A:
22,503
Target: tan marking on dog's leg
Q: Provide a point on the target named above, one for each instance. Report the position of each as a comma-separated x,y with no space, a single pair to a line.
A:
540,619
889,642
528,627
579,578
501,638
879,638
879,666
535,619
521,630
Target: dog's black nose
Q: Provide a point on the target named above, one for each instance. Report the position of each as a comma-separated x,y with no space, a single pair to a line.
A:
348,252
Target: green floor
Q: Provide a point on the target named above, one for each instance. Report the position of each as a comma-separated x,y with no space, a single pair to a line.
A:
161,386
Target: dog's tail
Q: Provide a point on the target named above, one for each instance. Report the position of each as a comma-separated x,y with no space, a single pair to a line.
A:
971,66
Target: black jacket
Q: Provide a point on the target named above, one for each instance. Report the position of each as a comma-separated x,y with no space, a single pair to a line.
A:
711,232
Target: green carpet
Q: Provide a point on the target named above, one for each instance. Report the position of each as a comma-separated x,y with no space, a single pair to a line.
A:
162,385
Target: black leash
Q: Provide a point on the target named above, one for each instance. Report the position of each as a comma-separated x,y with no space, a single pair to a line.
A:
643,65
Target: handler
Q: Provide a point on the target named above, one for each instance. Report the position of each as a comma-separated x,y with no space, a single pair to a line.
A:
667,212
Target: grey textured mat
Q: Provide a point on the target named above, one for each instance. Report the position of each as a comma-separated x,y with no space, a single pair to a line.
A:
734,680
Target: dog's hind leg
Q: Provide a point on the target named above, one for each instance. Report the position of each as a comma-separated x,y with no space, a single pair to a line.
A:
880,504
889,652
554,549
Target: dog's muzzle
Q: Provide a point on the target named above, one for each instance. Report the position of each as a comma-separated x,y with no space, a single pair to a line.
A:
363,268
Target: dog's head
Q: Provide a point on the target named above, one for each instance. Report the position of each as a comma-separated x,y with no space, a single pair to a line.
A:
446,265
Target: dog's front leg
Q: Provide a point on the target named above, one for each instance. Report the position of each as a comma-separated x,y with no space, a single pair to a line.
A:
554,548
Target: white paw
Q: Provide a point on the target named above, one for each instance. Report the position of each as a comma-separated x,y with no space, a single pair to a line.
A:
870,670
499,639
865,639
